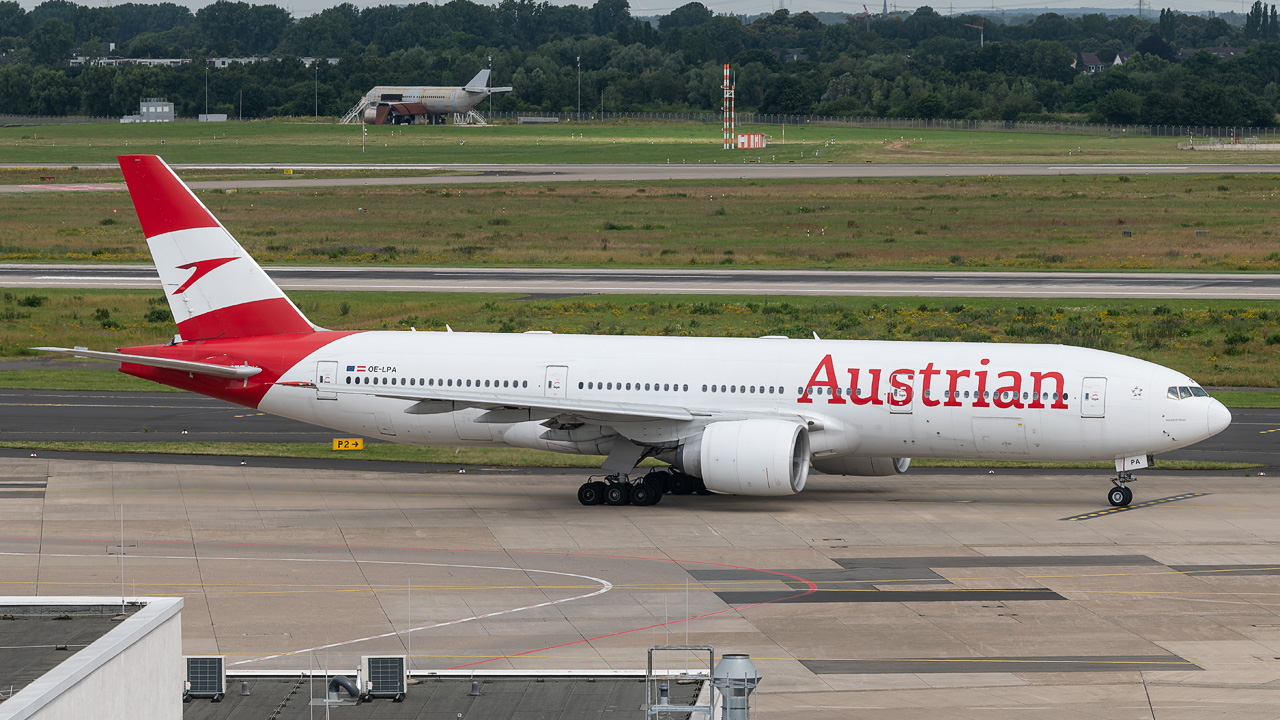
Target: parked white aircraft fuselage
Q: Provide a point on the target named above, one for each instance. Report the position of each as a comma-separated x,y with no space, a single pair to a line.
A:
1131,415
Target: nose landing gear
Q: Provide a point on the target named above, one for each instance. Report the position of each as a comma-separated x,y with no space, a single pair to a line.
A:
1121,495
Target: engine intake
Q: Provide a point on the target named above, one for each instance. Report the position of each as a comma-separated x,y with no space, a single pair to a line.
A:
749,457
862,466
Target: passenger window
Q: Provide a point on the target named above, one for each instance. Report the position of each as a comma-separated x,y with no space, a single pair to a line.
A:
723,389
348,380
733,388
686,387
526,383
713,388
413,381
704,388
366,379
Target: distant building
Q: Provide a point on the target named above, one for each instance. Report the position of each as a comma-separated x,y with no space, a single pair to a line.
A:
1122,58
221,62
1222,52
794,55
80,60
1090,63
151,110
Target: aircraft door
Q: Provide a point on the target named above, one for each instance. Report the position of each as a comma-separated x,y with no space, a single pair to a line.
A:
326,380
1093,397
902,399
557,381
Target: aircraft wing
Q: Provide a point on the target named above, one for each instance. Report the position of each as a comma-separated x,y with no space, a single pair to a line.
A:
225,371
511,408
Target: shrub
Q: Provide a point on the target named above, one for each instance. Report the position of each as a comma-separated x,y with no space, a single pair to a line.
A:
33,301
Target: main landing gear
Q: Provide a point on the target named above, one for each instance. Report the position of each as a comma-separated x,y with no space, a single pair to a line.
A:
620,489
1121,495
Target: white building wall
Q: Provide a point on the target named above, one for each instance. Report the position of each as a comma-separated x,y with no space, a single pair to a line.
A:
135,672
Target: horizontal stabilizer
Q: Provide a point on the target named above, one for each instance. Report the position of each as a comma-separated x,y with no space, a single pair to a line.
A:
225,371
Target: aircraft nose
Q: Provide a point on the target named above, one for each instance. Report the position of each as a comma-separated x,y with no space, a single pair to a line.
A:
1219,417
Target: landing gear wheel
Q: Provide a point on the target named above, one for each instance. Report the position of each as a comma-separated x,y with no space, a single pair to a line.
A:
618,494
661,479
681,484
645,493
701,488
589,493
1120,496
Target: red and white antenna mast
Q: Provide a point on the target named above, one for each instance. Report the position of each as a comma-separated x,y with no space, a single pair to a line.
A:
728,109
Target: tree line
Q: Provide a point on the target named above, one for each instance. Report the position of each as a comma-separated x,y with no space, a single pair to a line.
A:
922,64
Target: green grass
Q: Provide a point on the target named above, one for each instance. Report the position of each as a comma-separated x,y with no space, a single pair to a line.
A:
985,223
614,142
1217,342
498,457
501,457
105,378
1245,399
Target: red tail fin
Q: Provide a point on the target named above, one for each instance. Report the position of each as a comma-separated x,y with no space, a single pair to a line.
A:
215,289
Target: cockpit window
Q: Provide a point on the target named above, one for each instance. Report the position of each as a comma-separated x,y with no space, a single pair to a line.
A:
1183,392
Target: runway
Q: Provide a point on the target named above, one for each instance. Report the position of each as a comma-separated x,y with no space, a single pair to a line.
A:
961,595
59,415
466,174
561,282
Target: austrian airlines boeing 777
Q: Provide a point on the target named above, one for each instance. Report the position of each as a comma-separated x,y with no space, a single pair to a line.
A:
731,415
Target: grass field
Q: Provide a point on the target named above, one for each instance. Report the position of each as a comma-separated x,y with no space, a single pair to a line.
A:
1217,342
504,457
614,142
1198,222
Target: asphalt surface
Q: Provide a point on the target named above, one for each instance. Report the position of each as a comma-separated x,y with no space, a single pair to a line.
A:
965,596
558,282
500,173
61,416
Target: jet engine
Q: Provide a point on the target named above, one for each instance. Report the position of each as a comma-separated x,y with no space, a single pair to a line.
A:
749,457
862,466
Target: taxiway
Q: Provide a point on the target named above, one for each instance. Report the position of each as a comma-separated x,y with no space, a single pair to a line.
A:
562,282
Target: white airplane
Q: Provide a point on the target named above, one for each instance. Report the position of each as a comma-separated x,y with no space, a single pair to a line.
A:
730,415
429,105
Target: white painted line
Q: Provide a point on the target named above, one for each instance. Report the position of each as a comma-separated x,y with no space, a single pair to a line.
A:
605,586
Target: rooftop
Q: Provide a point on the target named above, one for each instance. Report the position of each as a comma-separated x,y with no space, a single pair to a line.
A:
500,698
36,638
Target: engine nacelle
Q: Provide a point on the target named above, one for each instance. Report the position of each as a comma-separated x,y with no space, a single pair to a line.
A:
862,466
749,457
